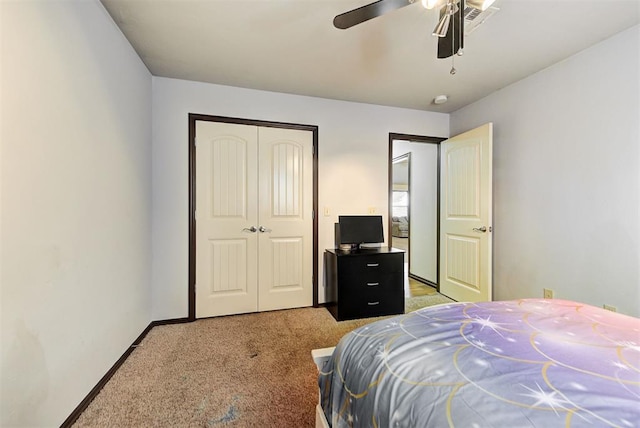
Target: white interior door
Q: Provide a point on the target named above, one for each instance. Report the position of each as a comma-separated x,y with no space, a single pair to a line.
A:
254,225
286,223
226,210
465,215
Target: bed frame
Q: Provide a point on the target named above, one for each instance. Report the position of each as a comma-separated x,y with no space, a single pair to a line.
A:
321,357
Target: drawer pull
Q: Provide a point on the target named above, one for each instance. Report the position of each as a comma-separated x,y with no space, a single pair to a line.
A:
373,303
373,264
373,284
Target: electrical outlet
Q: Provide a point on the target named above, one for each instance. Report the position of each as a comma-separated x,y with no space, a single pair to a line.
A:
327,212
548,293
610,308
372,210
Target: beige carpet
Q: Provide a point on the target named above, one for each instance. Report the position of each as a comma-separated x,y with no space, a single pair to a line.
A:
251,370
418,302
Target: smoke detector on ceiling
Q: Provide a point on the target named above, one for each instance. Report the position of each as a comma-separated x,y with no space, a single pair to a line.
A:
440,99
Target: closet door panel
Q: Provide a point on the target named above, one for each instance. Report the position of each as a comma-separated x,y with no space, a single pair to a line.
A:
226,209
285,214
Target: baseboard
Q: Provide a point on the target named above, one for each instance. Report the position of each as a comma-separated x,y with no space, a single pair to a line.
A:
102,382
424,281
170,321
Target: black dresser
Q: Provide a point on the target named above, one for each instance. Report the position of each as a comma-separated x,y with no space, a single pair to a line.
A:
364,283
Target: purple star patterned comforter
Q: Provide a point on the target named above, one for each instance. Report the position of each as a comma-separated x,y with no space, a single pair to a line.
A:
542,363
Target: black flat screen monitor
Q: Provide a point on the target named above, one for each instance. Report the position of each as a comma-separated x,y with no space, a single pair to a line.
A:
360,229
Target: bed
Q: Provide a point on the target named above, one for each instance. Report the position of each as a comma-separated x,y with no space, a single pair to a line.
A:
524,363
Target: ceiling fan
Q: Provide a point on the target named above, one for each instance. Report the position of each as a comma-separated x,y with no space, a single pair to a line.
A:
450,28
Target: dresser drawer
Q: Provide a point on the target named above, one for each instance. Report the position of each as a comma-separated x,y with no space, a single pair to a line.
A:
374,265
373,305
360,285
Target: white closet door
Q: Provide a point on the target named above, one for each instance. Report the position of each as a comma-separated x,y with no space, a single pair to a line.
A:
226,210
254,225
286,223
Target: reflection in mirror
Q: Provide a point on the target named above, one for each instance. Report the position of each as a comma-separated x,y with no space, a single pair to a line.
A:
414,207
400,204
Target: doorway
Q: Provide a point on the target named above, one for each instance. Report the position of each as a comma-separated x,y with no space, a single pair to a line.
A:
252,228
414,205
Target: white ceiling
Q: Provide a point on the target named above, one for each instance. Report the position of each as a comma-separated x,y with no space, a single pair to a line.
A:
291,46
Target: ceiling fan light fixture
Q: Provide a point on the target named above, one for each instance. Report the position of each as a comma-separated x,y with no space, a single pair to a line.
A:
480,4
430,4
443,26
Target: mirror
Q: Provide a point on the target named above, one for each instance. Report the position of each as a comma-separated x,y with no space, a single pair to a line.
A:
414,204
400,203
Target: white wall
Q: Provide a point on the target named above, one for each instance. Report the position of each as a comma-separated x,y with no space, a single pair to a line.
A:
353,164
423,215
76,205
567,177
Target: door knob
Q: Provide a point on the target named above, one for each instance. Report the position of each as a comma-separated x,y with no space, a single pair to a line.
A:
251,229
481,229
263,229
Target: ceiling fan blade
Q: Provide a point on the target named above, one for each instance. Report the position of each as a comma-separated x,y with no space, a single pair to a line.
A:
456,27
367,12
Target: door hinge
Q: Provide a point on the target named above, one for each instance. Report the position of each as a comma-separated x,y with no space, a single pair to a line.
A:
313,150
313,214
195,142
